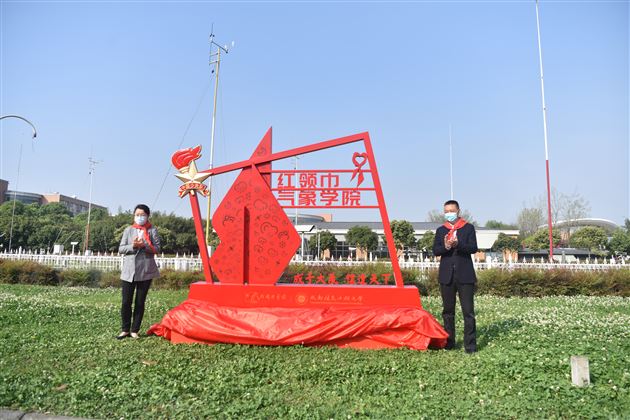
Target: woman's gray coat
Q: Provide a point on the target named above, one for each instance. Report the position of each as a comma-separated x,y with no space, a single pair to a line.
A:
139,262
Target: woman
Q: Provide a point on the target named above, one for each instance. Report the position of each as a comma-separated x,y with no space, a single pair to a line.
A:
140,242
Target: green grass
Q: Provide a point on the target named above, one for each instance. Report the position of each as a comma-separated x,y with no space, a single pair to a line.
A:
58,355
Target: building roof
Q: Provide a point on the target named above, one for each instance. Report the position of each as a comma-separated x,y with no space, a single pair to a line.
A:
605,224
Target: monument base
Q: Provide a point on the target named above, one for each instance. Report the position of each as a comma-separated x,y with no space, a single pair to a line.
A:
366,317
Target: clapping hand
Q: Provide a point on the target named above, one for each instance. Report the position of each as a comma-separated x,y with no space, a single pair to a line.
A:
450,242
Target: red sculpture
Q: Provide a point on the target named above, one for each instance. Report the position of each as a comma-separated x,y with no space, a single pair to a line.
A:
258,241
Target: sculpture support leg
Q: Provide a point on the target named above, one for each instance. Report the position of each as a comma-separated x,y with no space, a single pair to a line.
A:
201,239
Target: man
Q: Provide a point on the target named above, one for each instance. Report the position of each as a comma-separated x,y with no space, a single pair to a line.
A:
455,241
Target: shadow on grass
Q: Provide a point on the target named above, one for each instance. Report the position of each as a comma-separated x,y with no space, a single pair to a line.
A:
494,331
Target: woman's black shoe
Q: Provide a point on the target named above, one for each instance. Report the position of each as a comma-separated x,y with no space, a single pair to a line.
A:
122,335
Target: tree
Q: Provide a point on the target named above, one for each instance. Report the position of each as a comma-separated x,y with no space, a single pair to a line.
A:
565,207
426,242
403,234
506,243
620,242
327,241
362,237
540,240
102,237
529,220
435,216
495,224
590,237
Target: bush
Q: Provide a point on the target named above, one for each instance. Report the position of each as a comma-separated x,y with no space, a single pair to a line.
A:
109,279
498,282
174,280
27,272
75,277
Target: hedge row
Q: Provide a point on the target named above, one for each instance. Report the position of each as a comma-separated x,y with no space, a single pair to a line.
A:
498,282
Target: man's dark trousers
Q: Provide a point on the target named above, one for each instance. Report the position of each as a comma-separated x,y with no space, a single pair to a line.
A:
457,276
466,293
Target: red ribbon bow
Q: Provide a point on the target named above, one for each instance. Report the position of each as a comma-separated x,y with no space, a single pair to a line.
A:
358,163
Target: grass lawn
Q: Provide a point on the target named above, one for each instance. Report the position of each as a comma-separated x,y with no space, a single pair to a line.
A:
58,355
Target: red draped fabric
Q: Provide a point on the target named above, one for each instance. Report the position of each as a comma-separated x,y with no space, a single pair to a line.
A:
391,326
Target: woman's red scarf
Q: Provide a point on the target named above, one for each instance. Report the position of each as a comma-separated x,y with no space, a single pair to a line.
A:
147,238
453,227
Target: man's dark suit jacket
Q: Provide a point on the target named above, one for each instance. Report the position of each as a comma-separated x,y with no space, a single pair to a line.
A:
456,262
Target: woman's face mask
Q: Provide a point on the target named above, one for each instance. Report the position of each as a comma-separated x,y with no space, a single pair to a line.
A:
450,216
140,220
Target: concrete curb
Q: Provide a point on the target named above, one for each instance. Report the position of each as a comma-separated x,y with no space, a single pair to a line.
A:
21,415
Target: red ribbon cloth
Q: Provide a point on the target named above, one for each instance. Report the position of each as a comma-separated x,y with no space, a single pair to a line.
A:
453,227
392,326
147,238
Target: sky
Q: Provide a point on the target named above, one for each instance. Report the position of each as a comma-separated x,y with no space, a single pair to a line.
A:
128,83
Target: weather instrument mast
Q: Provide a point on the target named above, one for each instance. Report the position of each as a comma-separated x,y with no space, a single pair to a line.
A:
215,59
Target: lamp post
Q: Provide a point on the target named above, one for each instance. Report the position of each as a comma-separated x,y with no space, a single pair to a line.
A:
19,162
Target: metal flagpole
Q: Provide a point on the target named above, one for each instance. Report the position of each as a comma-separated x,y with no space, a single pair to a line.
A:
544,109
450,146
217,62
86,243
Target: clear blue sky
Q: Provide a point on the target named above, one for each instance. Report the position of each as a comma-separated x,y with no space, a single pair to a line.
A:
122,80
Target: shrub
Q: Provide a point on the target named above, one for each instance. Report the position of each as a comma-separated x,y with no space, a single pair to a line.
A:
498,282
76,277
173,280
27,272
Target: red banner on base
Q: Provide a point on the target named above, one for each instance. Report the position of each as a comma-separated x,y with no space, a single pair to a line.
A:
198,321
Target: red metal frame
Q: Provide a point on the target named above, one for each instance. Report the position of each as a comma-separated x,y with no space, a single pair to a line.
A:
260,162
248,305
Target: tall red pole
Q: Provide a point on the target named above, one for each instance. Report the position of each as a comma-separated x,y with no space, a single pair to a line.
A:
544,109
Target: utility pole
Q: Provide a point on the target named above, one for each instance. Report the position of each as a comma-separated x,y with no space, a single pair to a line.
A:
93,164
544,110
215,58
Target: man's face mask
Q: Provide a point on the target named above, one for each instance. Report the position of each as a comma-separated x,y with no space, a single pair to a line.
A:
450,216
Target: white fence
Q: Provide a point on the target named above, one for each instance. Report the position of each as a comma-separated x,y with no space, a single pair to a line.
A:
113,262
102,262
433,265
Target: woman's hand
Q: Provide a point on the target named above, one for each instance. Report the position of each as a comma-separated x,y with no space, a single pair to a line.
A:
138,243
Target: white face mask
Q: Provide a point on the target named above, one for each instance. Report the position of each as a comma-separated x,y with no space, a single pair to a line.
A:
140,220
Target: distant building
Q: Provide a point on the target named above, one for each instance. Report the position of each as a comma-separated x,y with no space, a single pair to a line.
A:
73,204
309,226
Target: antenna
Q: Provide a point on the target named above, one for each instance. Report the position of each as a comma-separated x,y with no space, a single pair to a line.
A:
215,58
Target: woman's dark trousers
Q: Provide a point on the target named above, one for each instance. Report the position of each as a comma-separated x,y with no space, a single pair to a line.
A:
141,288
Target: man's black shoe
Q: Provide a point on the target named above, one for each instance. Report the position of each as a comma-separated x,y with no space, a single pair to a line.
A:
471,351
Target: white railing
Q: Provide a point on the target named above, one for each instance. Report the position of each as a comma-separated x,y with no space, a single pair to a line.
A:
432,265
113,262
